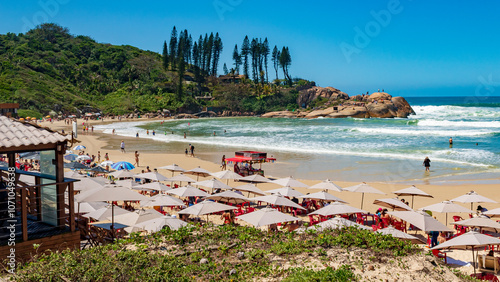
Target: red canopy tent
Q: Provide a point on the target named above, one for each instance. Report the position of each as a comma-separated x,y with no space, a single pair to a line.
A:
243,161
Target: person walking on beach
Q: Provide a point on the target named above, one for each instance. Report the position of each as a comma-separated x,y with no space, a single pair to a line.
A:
192,151
106,157
98,156
186,152
427,164
223,163
136,154
122,146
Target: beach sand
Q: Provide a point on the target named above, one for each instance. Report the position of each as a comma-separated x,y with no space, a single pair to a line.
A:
105,143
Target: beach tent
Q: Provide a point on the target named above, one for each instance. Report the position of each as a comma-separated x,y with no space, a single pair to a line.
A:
327,185
188,191
363,188
266,216
421,220
323,196
412,191
157,224
472,197
470,240
286,192
337,223
250,188
392,203
337,208
173,168
446,207
229,197
277,200
289,181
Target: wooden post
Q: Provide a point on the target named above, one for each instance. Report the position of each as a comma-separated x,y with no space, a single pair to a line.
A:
38,199
24,214
60,188
71,206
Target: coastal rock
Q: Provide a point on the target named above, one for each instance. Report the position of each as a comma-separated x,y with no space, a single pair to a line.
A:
356,112
280,114
206,114
182,116
382,110
404,108
320,113
308,95
378,96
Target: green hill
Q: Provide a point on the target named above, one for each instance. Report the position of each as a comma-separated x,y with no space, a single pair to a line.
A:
48,69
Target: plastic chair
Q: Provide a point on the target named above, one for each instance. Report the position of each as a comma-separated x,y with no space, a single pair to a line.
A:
440,254
312,220
360,218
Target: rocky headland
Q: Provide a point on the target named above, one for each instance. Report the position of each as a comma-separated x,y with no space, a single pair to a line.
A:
340,105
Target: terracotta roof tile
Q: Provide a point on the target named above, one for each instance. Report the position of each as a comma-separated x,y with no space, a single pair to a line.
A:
14,134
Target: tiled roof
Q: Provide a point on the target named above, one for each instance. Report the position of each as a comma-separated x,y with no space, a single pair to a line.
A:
14,134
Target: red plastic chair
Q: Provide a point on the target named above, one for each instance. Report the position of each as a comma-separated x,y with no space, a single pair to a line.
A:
360,218
312,220
440,254
399,225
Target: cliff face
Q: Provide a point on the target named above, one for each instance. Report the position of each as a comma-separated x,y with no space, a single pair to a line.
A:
377,105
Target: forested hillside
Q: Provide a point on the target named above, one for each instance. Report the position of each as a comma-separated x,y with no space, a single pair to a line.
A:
48,69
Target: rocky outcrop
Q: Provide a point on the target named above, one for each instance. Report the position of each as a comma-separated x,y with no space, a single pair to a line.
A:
280,114
182,116
403,107
308,95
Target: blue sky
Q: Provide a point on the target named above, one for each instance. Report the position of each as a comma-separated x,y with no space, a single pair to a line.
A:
407,48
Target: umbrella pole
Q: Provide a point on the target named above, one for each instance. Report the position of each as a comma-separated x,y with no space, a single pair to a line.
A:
473,261
362,197
412,198
112,221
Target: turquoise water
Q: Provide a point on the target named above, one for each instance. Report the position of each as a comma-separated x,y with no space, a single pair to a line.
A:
354,149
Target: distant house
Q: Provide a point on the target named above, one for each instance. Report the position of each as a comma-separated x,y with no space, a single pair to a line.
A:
230,78
39,209
9,109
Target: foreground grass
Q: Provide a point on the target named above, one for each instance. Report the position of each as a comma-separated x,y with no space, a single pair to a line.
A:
228,253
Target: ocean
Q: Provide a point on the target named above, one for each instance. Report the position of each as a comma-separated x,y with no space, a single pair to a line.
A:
350,149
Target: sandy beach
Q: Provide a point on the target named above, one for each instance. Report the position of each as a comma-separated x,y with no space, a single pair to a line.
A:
106,143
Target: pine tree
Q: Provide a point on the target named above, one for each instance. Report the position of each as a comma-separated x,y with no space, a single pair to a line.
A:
165,58
224,68
245,51
254,51
285,62
265,53
237,59
275,57
180,72
216,49
173,47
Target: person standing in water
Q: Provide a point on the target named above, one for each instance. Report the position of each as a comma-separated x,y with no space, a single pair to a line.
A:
451,142
427,164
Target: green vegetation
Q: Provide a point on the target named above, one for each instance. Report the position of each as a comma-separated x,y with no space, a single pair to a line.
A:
176,255
48,69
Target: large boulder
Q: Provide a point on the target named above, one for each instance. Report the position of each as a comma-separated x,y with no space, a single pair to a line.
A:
378,96
404,108
320,113
382,110
355,111
308,95
280,114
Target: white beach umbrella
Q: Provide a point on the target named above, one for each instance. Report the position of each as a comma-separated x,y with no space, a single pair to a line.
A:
86,184
162,200
492,213
226,174
286,192
468,241
136,217
421,220
337,208
198,172
157,224
481,222
73,174
188,191
106,163
399,234
87,207
83,158
181,178
157,186
446,207
173,168
363,188
289,181
206,207
228,197
412,191
155,176
472,197
323,196
277,200
127,183
213,183
266,216
392,203
256,178
104,212
122,174
250,188
327,185
337,223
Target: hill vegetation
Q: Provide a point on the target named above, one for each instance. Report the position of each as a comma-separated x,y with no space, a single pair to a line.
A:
48,70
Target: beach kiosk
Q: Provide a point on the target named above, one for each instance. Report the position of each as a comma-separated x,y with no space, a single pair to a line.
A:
244,162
